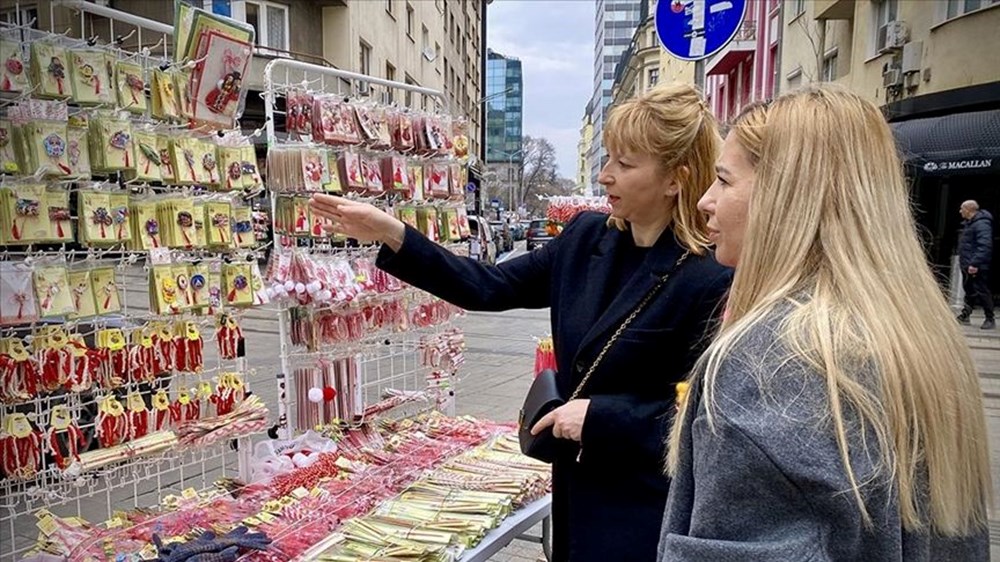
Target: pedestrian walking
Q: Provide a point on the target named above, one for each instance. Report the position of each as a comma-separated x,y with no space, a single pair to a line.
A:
975,252
647,266
837,414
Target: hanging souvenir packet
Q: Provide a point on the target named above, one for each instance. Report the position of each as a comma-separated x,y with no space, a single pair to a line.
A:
131,87
427,222
374,126
230,167
449,225
415,183
395,174
408,215
200,229
218,80
48,71
90,77
23,216
47,144
145,225
457,178
164,146
236,284
401,125
460,136
164,104
299,120
177,222
8,156
15,77
334,121
252,181
120,216
371,169
83,294
243,234
464,229
96,218
195,162
17,294
147,157
170,289
111,145
64,438
206,285
78,148
351,172
192,25
219,223
436,180
52,290
106,291
185,93
21,444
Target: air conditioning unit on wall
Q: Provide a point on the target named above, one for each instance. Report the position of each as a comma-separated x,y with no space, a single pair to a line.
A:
892,77
893,35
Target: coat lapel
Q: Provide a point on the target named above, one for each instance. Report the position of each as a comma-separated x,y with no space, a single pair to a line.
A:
661,258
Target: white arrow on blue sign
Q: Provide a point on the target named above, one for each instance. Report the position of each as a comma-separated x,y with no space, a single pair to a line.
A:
697,29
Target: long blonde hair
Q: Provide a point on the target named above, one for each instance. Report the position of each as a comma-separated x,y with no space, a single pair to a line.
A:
671,122
829,230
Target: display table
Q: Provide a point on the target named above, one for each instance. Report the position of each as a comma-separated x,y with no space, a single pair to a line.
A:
514,527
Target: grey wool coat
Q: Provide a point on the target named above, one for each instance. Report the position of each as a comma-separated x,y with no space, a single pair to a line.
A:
767,482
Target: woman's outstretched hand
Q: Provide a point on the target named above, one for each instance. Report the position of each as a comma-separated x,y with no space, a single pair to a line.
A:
358,220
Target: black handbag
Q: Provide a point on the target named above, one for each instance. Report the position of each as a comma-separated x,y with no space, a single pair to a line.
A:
543,396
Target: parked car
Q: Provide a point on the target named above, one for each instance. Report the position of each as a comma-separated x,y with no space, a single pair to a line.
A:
482,245
540,231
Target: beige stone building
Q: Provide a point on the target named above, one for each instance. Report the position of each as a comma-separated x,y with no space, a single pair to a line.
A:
583,186
932,68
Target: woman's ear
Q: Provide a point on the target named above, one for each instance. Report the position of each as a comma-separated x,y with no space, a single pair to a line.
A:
676,180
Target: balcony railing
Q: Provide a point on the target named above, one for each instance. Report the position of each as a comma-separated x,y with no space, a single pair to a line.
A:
746,32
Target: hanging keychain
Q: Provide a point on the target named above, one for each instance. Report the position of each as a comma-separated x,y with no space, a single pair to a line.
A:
56,360
138,416
64,437
86,364
19,371
21,445
112,425
161,410
184,408
190,354
229,337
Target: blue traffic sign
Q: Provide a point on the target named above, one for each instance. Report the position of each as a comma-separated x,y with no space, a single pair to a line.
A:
697,29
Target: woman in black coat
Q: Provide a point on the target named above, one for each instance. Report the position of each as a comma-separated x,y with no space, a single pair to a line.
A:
609,490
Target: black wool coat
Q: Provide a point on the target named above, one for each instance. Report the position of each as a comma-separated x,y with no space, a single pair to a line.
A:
607,505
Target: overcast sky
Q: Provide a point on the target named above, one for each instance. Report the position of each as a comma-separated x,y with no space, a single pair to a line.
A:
555,41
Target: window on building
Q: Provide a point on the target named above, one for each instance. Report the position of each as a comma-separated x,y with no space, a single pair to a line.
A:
437,55
955,8
829,71
409,21
390,74
425,37
270,22
388,8
794,78
408,95
365,63
439,4
885,12
798,7
654,77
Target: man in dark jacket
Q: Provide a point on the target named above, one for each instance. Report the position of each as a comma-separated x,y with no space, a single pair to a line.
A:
975,250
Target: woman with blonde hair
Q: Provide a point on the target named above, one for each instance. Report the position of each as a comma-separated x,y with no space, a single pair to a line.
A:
645,267
837,414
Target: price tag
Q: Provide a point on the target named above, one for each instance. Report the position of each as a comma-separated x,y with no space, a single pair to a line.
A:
251,521
266,517
189,494
299,493
148,552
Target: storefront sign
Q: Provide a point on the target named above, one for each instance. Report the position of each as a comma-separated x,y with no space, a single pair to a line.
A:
958,165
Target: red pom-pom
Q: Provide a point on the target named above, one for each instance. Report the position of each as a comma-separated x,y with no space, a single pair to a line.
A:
329,393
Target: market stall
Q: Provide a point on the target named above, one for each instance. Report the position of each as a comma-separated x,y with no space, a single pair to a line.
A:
132,261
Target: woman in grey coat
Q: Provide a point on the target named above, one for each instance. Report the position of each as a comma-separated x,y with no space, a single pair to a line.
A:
837,414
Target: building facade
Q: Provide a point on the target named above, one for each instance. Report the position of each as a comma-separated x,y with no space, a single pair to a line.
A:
615,22
583,184
927,65
504,118
744,70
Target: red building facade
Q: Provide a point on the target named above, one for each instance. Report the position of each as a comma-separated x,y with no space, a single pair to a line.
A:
746,69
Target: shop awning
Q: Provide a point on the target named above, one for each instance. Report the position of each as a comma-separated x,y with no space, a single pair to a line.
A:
957,144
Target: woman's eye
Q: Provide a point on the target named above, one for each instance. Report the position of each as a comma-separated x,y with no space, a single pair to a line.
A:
721,180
